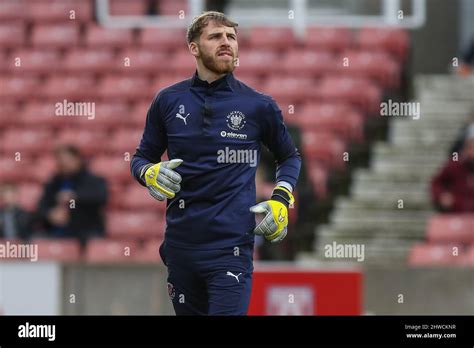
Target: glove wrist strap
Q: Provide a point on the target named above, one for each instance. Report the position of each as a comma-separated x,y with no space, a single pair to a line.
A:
283,196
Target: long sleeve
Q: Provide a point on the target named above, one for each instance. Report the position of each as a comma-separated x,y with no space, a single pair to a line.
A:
278,140
153,143
440,182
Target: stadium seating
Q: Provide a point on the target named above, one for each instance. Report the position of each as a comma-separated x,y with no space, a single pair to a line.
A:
434,255
63,250
109,251
455,228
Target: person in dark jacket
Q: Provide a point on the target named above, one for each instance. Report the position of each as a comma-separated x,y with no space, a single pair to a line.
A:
73,200
452,188
15,222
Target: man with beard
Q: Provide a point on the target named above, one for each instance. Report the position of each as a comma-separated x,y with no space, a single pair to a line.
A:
209,239
452,188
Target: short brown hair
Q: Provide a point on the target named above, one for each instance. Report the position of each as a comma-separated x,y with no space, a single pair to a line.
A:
199,22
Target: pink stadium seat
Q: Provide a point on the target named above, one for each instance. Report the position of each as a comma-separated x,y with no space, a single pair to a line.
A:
142,60
39,60
341,119
59,10
25,141
17,88
166,80
125,140
273,38
149,252
88,60
29,195
113,167
55,35
81,87
12,34
433,255
128,8
378,65
357,91
61,250
455,228
333,39
111,251
98,36
42,114
468,258
12,9
163,39
9,113
130,88
324,147
305,62
135,224
395,41
257,61
249,79
290,88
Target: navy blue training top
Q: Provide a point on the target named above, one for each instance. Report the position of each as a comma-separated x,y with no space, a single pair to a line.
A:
217,130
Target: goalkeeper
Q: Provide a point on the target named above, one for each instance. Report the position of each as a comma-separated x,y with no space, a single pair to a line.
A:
210,198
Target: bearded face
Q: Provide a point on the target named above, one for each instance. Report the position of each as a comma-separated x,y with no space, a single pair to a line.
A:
217,48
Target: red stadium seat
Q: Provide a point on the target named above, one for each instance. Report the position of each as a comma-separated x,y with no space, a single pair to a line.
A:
13,9
113,167
130,88
324,147
333,39
250,80
128,8
171,7
163,39
137,198
12,34
42,114
142,60
18,88
125,140
257,61
81,87
98,36
89,141
29,195
35,60
88,60
273,38
377,65
25,141
46,168
112,115
357,91
305,62
182,63
149,252
59,10
111,251
167,80
434,255
468,258
135,225
290,88
10,167
9,113
61,250
394,41
56,35
341,119
455,228
318,177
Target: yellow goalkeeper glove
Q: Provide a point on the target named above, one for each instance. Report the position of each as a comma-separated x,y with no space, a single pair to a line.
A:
274,225
161,180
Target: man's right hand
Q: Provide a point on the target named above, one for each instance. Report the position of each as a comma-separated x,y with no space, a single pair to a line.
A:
161,180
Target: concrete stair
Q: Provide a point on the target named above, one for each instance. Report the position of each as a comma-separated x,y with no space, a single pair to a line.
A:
401,169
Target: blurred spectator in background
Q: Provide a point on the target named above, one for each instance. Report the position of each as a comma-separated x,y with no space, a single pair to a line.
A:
73,200
15,222
461,138
452,188
467,60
